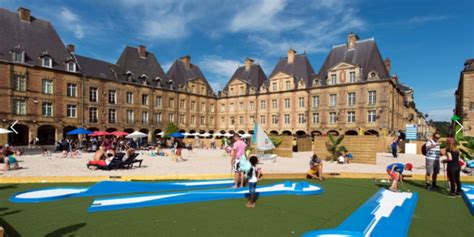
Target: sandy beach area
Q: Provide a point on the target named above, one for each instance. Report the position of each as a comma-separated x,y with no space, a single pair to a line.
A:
198,162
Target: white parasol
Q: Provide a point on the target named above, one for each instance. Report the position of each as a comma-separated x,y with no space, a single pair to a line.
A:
136,134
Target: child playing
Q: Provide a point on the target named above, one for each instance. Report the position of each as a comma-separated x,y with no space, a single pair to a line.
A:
253,175
315,168
395,172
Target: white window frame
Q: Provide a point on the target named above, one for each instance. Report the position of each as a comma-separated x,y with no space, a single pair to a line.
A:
71,111
145,117
20,83
262,119
315,118
130,116
287,119
332,100
129,97
274,119
263,104
71,90
371,116
301,102
287,103
352,76
333,79
158,117
68,67
112,97
112,116
301,119
315,101
274,104
47,87
332,117
144,99
158,101
372,97
47,109
351,98
47,62
93,115
351,117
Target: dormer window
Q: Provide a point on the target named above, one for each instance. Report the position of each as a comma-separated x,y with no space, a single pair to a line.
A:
47,62
19,56
144,77
71,66
129,74
333,79
373,75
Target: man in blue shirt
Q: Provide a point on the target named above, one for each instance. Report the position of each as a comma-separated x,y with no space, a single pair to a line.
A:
395,172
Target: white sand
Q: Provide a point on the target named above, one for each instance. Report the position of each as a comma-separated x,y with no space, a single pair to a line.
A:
199,162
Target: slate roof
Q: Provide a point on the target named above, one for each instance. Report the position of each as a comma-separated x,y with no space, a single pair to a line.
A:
131,61
254,77
181,75
366,55
34,38
300,69
469,65
95,68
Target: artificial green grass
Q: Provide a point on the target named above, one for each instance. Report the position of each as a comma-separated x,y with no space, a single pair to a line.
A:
435,214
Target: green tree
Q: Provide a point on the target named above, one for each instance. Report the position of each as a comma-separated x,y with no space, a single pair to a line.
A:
170,128
334,146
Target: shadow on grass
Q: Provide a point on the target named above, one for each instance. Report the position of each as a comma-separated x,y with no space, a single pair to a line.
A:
68,230
9,230
11,186
419,184
10,213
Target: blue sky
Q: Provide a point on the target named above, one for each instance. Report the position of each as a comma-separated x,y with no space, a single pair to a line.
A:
427,41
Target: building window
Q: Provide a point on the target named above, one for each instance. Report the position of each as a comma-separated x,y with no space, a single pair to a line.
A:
231,107
203,120
371,116
181,119
171,103
71,111
145,117
203,106
301,119
274,104
19,106
158,101
352,76
252,119
222,107
315,101
351,98
263,104
351,117
301,102
112,97
332,117
212,121
112,116
193,105
242,90
19,57
288,85
93,94
193,119
181,104
232,121
129,97
71,67
372,97
130,116
287,118
47,62
333,79
231,91
262,119
274,119
158,117
212,108
251,105
170,117
47,109
315,118
71,90
47,87
274,86
287,103
332,100
144,99
93,115
19,82
222,119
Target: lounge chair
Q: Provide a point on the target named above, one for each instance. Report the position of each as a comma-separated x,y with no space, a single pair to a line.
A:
113,165
132,159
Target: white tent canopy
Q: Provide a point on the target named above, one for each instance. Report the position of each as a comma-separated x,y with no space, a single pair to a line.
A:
161,134
246,135
4,131
136,134
205,134
228,134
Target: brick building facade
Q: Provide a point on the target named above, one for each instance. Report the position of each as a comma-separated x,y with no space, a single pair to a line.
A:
465,98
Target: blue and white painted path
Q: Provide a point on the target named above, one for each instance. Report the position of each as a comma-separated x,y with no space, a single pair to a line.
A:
468,196
112,188
285,188
386,214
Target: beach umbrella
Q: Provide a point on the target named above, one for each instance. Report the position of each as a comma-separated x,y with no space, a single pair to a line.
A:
78,131
136,134
161,134
228,134
186,134
99,133
205,134
246,135
119,133
177,135
4,131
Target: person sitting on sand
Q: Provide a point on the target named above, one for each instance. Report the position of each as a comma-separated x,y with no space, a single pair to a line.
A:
10,161
348,157
341,159
395,171
315,168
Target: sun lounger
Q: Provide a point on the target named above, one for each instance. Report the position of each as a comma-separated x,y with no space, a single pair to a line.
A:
113,165
132,159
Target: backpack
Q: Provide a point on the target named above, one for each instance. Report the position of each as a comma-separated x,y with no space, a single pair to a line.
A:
423,149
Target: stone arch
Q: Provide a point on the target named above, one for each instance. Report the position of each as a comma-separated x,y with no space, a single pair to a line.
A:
287,132
67,129
371,133
300,133
20,139
111,130
129,130
46,135
93,129
351,133
241,132
274,133
316,133
333,132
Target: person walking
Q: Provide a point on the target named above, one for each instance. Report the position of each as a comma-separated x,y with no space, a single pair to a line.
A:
395,142
238,153
432,162
454,169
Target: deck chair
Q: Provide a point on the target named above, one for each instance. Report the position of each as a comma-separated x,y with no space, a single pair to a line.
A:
132,159
113,165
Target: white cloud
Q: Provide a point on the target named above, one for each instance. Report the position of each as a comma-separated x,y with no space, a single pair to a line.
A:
440,114
425,19
72,22
442,94
218,69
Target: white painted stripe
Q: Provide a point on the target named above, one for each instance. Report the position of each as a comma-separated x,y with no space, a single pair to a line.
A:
50,193
120,201
207,183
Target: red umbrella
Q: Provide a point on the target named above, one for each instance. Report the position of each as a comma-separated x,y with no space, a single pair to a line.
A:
119,133
99,133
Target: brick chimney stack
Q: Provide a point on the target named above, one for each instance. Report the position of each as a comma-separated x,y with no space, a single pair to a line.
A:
187,61
142,51
351,40
24,14
291,55
71,48
248,63
387,63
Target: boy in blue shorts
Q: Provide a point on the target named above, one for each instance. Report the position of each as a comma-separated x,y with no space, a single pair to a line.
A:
253,175
395,171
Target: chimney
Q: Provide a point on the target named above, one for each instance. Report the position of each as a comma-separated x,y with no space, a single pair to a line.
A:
24,14
187,61
71,48
248,63
291,55
387,64
351,40
142,51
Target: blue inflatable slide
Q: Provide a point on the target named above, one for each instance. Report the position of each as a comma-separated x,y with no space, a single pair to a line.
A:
468,196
